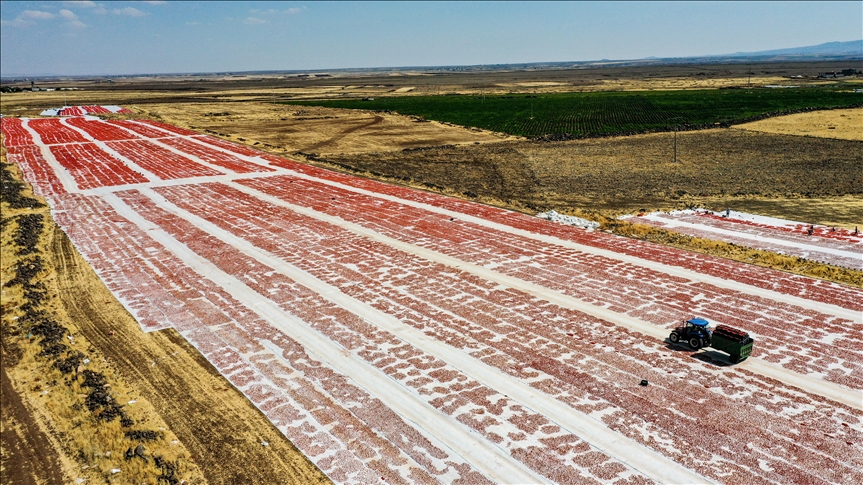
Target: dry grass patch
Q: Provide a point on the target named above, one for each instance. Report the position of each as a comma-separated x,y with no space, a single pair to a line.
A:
843,124
288,129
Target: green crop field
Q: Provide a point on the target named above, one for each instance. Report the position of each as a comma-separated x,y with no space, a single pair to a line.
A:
585,114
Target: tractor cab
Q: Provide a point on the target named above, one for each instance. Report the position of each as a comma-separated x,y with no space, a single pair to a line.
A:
694,331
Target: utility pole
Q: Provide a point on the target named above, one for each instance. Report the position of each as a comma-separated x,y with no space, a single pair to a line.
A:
749,79
676,121
675,144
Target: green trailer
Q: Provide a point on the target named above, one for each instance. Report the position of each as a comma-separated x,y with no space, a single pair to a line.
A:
696,332
736,343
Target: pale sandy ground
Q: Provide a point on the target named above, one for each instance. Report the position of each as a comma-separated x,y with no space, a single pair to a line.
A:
843,124
668,83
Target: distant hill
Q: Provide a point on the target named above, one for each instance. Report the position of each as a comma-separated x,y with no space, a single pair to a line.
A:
853,48
829,51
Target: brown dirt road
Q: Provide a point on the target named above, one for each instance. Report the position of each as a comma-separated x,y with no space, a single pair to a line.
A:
317,146
28,454
215,422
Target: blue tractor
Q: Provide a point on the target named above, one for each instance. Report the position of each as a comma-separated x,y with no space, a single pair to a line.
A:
693,331
696,332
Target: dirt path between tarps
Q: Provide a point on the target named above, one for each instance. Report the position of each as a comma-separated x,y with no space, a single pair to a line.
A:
28,456
218,425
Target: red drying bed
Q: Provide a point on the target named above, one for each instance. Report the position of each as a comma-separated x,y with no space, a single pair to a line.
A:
72,111
798,229
91,167
36,170
144,130
749,274
515,329
100,130
649,295
164,163
124,111
52,131
342,327
840,248
95,109
14,133
214,156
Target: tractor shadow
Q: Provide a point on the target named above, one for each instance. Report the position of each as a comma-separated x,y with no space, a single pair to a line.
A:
708,356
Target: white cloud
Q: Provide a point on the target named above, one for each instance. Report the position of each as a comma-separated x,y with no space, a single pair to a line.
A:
154,2
191,23
290,11
72,19
80,4
27,17
13,23
36,15
129,12
77,24
254,21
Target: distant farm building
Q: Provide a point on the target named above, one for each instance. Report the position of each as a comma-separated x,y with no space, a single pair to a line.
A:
842,73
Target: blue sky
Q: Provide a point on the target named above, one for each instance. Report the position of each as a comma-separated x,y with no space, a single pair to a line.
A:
81,38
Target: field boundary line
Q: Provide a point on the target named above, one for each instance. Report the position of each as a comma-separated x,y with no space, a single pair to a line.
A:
827,308
822,388
462,441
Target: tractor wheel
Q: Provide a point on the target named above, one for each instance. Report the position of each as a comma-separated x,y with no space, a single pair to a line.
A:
674,337
695,343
